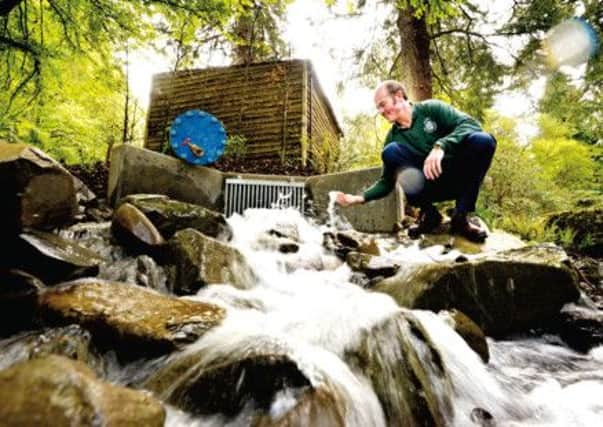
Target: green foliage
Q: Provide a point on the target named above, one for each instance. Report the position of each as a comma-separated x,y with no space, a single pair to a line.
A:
516,193
577,108
564,161
362,144
528,182
62,83
236,147
324,154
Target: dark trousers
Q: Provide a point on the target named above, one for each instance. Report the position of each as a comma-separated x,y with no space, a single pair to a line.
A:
461,176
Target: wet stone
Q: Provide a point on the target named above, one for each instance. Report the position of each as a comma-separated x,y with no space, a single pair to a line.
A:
135,231
53,258
142,321
199,260
67,393
226,386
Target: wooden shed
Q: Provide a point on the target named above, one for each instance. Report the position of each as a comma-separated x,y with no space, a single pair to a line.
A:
279,107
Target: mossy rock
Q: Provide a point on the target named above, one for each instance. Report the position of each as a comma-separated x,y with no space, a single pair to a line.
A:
199,260
510,291
170,216
587,226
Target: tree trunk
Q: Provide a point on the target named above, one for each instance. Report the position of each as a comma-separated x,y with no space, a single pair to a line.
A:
415,65
244,31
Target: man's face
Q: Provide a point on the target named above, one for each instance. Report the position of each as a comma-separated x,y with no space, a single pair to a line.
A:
387,104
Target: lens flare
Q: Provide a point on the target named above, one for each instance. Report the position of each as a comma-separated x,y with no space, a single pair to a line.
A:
412,180
572,42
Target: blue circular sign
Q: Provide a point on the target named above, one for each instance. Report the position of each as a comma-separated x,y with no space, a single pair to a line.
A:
197,137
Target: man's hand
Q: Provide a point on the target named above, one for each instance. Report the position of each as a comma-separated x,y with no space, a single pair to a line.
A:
343,199
432,168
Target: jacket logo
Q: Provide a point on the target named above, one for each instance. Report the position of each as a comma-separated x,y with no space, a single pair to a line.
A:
429,126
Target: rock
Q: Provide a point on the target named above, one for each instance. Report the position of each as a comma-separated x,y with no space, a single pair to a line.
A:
470,332
348,239
61,392
343,242
581,327
288,231
315,407
406,372
481,417
18,295
136,232
36,190
370,247
276,242
140,271
53,258
225,386
587,226
372,266
71,341
200,260
504,292
83,194
130,319
170,216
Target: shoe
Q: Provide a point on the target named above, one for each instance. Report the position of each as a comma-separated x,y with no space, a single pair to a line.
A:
429,220
460,225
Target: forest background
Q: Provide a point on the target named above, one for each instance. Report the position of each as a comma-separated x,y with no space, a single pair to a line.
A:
64,83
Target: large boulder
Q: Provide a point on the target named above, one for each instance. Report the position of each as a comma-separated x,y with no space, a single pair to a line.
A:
199,260
406,370
53,258
61,392
580,327
169,216
223,378
504,292
140,320
36,191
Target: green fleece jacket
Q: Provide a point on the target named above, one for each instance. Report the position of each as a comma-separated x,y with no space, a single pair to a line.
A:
433,123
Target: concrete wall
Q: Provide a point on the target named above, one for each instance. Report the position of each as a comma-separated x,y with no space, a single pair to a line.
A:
137,170
378,216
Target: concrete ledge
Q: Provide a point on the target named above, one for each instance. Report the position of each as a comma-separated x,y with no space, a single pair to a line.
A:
137,170
375,217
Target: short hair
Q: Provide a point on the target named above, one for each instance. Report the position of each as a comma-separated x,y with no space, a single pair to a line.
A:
393,86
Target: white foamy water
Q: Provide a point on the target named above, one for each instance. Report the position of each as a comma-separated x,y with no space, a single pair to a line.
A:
305,306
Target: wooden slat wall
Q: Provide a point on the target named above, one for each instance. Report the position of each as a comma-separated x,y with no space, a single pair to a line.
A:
323,124
263,102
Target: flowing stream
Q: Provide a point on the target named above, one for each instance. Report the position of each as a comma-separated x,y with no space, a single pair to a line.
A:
305,302
305,305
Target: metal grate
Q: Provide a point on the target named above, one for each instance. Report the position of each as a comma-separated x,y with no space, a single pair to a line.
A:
241,194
